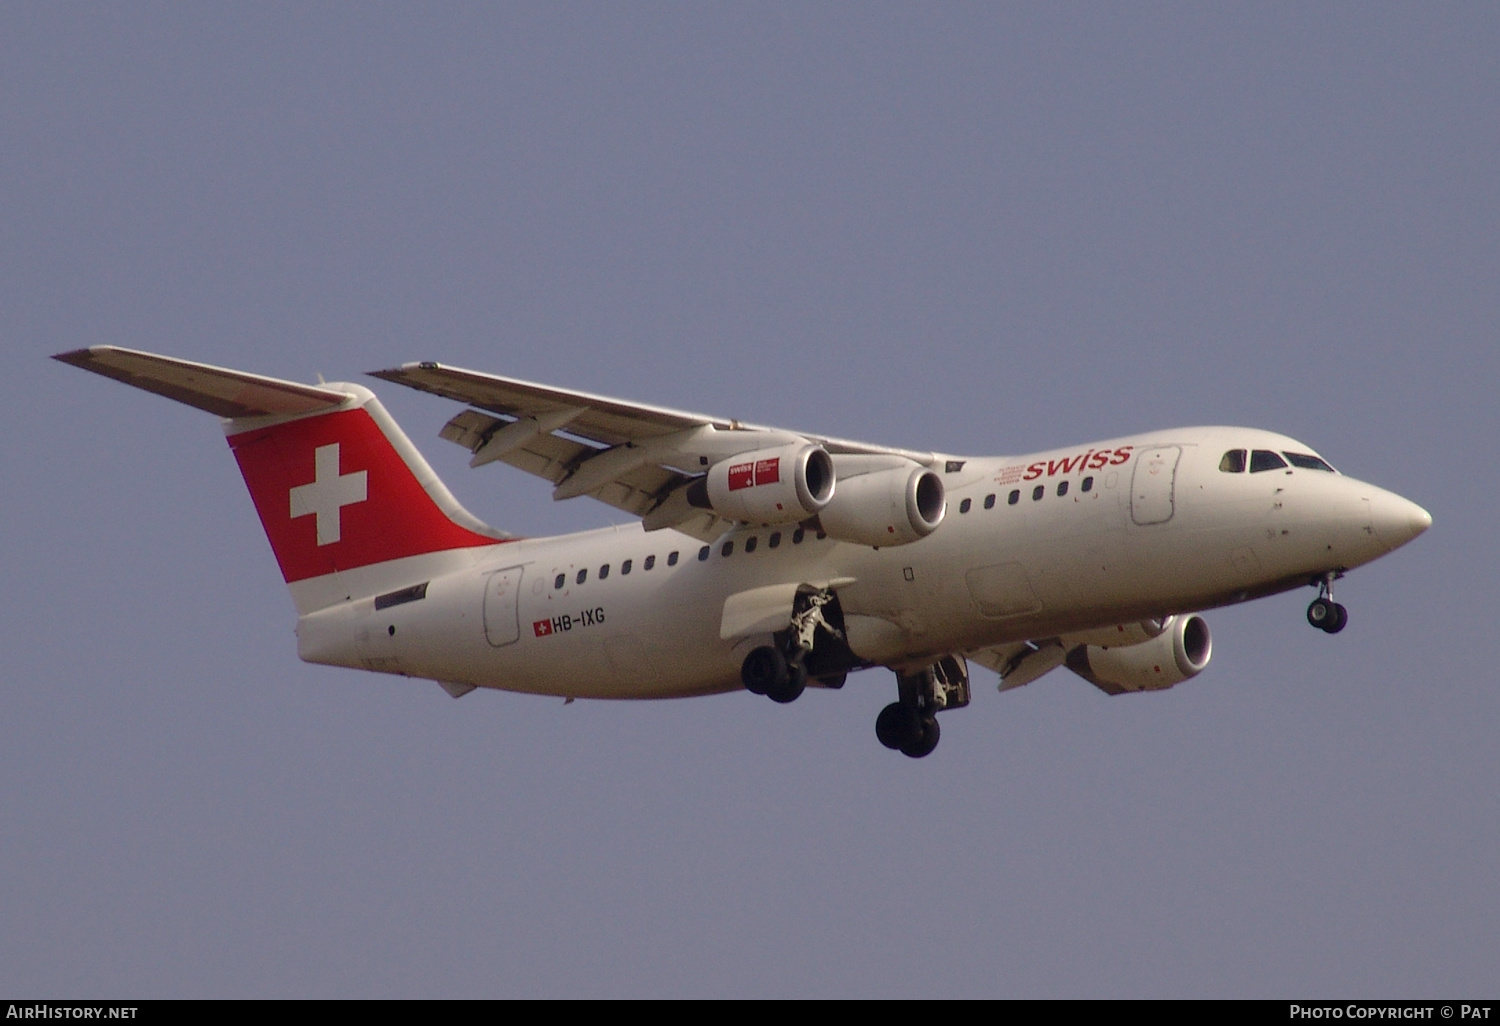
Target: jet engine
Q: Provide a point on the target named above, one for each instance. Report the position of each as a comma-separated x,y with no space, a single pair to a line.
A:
1118,636
781,485
1179,652
894,506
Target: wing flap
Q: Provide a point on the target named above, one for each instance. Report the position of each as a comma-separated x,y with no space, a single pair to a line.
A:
470,429
217,390
1020,663
651,490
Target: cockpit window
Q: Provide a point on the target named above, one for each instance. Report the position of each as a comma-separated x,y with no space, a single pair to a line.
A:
1265,459
1303,461
1233,462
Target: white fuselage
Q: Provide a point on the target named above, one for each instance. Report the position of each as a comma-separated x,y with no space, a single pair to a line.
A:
1163,530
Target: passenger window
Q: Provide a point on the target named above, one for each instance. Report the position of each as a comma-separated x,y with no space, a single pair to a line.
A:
1037,493
649,563
1088,485
727,550
1303,461
1265,459
1062,489
1014,497
604,571
561,580
583,575
797,536
671,559
774,540
703,554
625,568
1233,462
750,543
989,502
963,507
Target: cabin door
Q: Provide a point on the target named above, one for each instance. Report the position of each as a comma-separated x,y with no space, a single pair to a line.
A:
502,596
1151,489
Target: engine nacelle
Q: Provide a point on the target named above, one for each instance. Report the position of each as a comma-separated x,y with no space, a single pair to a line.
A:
1177,653
771,486
896,506
1118,636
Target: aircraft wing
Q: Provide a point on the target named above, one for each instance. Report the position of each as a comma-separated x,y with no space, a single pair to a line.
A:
632,456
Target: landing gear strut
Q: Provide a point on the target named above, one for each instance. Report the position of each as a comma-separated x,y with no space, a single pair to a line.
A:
909,725
1324,613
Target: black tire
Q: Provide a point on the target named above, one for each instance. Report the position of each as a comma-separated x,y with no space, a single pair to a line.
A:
924,745
762,670
1338,621
1321,613
790,687
897,726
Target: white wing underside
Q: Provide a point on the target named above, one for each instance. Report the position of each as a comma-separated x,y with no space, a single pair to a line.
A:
631,456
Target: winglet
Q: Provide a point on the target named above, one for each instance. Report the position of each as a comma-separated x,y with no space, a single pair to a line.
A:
227,393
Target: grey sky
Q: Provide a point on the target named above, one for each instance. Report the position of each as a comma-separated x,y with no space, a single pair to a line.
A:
970,228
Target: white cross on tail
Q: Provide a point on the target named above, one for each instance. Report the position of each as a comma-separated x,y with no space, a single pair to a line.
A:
328,493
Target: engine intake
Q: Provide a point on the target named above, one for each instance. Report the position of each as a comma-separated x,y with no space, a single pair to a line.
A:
1173,656
896,506
769,486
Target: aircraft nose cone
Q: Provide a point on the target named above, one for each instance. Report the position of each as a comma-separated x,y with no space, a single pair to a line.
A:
1396,520
1420,520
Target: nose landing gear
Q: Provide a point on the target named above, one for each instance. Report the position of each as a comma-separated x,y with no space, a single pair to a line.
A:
1324,613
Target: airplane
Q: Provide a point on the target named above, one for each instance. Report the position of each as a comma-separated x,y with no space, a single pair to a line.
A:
762,558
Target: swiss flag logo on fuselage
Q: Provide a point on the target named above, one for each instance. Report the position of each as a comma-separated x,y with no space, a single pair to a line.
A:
333,494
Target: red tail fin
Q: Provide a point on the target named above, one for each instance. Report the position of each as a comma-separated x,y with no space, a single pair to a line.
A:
334,493
336,483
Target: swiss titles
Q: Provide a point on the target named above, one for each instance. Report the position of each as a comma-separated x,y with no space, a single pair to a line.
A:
1093,459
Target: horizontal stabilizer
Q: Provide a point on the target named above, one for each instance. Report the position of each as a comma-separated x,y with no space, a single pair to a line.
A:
227,393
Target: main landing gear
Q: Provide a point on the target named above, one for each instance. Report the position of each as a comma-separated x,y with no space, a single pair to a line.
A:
767,671
902,728
909,725
1324,613
780,671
